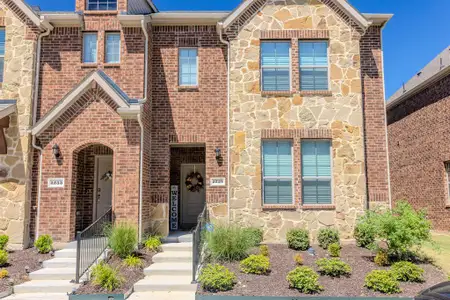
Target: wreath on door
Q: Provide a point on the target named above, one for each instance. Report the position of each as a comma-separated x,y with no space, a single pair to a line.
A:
194,182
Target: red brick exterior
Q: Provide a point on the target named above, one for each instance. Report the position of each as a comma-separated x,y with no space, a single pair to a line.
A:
419,139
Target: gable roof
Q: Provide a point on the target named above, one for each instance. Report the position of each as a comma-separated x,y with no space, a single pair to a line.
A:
32,15
342,4
127,107
141,7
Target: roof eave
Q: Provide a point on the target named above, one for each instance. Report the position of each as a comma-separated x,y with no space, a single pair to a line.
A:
32,15
188,18
63,19
133,20
379,19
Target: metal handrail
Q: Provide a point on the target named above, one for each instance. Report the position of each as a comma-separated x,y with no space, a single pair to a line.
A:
197,242
91,243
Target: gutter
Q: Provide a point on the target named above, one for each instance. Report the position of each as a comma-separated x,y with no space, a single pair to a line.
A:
219,31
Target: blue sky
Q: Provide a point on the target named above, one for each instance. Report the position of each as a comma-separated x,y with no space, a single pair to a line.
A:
417,33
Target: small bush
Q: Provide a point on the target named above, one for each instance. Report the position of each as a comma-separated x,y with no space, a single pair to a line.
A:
217,278
106,277
229,242
299,259
133,261
382,281
255,264
407,271
153,243
298,239
365,231
4,239
44,244
333,267
4,273
255,234
3,257
334,250
123,239
305,280
328,236
264,250
382,258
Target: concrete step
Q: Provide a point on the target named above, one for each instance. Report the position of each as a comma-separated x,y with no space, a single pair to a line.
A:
45,286
60,263
165,283
177,247
169,269
178,237
38,296
167,257
163,296
66,253
53,274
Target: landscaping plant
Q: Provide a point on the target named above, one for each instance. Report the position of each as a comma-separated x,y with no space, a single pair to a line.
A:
229,242
106,277
333,267
365,231
153,243
3,257
255,264
382,281
255,234
299,259
44,244
334,250
133,261
407,271
217,278
4,273
305,280
327,236
264,250
4,239
382,258
123,239
298,239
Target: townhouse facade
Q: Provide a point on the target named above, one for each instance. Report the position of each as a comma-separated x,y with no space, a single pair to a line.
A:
419,127
271,115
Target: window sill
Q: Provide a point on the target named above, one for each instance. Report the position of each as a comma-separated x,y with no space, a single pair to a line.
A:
318,207
316,93
277,93
279,207
101,12
89,65
188,88
112,65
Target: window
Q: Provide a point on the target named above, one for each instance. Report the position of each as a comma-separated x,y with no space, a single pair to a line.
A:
447,169
90,47
101,4
277,172
2,52
112,48
188,65
276,66
313,65
316,172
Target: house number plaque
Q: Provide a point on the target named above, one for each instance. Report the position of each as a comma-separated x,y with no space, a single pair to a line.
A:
56,183
174,207
218,181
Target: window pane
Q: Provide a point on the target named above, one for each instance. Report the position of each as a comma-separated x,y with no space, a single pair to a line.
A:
270,191
275,54
313,66
277,191
324,192
309,189
270,158
113,48
321,54
309,159
188,66
313,54
2,41
316,191
276,79
323,158
102,4
284,159
285,191
90,47
2,67
306,54
314,79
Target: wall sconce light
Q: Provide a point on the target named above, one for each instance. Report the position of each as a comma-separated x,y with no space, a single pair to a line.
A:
56,151
218,153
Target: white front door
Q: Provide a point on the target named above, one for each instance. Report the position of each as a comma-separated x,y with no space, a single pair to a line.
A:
192,203
104,176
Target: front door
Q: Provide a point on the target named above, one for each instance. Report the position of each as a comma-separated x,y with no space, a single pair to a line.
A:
104,181
192,202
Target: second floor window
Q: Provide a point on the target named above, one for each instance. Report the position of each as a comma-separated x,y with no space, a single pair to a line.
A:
276,66
188,67
2,52
313,65
90,47
101,4
112,46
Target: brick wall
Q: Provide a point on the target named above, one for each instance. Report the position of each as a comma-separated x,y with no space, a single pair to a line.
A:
419,139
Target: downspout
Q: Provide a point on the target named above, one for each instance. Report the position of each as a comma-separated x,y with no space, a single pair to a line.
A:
219,29
142,102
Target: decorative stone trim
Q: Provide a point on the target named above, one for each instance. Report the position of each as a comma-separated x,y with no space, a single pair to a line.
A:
318,207
295,34
186,138
296,133
279,207
277,93
316,93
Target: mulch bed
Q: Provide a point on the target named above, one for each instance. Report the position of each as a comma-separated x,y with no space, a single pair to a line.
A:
282,262
17,261
130,275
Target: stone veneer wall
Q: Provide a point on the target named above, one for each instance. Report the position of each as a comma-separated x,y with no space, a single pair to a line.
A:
15,187
335,114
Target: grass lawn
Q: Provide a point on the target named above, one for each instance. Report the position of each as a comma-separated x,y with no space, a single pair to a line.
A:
441,256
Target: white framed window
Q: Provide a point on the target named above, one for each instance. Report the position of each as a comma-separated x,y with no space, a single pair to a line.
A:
2,51
313,58
90,47
188,66
112,47
316,172
276,65
277,172
447,171
101,4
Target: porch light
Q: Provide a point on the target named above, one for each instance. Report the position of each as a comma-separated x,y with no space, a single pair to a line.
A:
56,151
218,153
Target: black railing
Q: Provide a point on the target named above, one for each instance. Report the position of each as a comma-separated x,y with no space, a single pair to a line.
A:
91,243
197,242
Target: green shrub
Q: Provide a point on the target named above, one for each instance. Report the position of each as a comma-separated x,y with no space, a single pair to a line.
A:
365,231
106,277
255,234
123,239
264,250
4,239
133,261
327,236
44,244
3,257
298,258
153,243
229,242
217,278
407,271
382,258
334,250
333,267
255,264
305,280
382,281
298,239
4,273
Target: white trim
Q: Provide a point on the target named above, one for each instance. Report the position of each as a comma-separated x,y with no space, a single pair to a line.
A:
84,34
378,19
179,67
8,110
132,20
63,19
108,33
276,67
188,18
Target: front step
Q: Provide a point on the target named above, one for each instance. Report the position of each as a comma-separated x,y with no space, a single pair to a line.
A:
165,283
53,274
169,269
66,253
163,296
173,257
177,247
47,286
178,237
61,263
